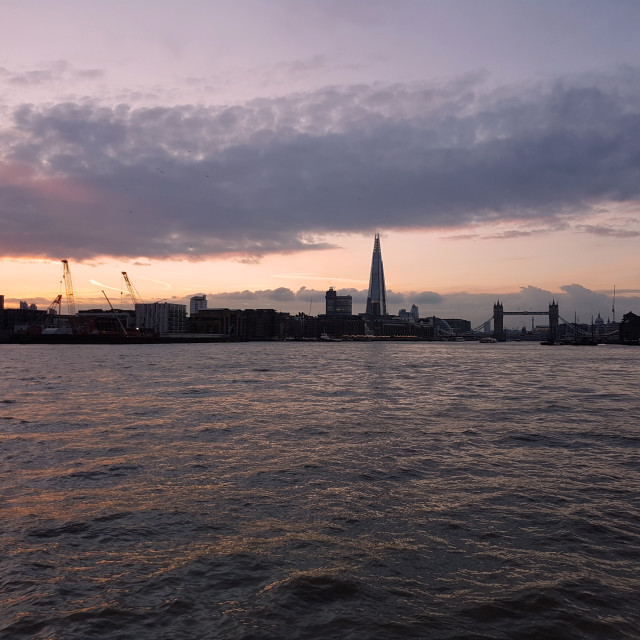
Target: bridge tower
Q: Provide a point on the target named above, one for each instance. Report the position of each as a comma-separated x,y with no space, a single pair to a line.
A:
554,316
498,322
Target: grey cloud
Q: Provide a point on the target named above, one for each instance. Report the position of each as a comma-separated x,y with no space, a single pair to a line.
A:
283,294
31,78
626,291
601,230
90,73
236,295
252,179
407,298
425,297
57,71
516,233
585,302
304,66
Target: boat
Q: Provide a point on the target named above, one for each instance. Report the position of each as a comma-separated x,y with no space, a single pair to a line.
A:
488,340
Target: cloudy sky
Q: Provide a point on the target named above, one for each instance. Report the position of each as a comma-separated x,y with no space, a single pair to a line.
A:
250,149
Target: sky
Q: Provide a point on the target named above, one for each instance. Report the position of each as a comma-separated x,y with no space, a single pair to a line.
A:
250,150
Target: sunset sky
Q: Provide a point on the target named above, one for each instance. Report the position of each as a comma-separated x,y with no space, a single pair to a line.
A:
251,149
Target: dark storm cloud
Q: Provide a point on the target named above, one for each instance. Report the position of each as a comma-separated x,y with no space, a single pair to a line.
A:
83,180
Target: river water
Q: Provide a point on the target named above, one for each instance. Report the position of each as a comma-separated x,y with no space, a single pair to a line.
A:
312,490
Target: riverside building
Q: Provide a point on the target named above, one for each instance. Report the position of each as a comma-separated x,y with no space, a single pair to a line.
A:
337,305
159,318
197,303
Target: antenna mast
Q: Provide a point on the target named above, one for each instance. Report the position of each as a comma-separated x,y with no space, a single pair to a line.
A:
613,308
68,286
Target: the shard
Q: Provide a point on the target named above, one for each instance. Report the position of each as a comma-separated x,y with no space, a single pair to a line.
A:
377,298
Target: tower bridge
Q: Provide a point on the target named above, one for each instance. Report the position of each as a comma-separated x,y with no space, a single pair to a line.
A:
499,313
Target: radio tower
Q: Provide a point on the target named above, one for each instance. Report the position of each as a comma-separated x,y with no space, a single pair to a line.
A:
68,287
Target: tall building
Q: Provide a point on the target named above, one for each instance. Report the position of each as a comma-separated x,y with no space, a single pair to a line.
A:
337,305
196,304
377,298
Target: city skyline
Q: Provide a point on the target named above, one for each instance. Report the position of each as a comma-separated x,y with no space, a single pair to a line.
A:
250,153
311,301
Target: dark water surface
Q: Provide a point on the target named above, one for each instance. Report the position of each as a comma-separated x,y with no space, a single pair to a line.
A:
341,490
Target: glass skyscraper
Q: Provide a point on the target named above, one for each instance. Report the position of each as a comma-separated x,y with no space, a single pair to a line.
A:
377,298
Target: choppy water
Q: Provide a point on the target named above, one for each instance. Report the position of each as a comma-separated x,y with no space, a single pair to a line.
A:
342,490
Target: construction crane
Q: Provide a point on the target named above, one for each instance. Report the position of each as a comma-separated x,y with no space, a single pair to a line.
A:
133,292
115,315
56,303
68,286
42,318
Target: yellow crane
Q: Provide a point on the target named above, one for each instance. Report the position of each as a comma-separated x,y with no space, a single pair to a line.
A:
133,292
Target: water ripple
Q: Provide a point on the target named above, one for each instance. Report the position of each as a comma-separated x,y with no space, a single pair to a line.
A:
323,491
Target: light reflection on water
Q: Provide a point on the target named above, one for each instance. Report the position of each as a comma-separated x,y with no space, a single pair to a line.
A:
340,490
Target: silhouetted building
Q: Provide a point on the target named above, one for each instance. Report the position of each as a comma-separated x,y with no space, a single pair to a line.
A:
237,324
91,321
337,305
160,318
303,327
221,322
458,325
338,326
20,320
393,328
413,314
377,298
197,303
261,324
630,328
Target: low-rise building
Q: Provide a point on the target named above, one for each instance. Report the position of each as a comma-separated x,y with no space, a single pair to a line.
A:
160,318
630,328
